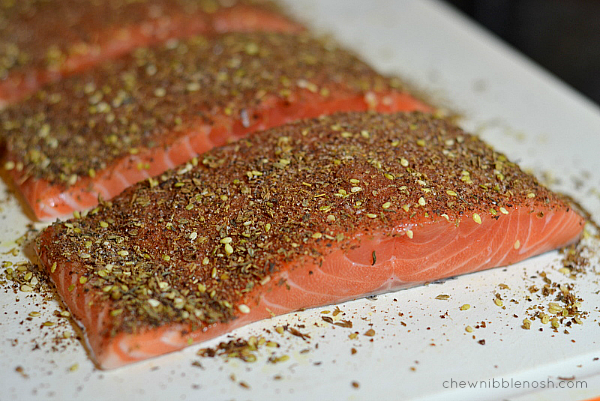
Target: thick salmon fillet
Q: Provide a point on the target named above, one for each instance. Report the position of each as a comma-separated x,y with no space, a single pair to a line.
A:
99,132
42,41
311,213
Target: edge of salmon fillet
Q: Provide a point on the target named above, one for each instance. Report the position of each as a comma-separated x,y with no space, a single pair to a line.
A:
43,43
137,116
307,214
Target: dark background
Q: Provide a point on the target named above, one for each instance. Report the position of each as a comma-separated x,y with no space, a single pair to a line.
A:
563,36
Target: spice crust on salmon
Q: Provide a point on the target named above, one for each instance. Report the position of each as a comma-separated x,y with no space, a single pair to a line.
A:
42,41
133,118
310,213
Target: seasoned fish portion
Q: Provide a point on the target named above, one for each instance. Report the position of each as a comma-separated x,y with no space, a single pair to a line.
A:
307,214
101,131
42,41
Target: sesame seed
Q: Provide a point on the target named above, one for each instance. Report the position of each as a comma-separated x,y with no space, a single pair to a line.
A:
409,234
422,201
476,218
244,309
26,288
193,87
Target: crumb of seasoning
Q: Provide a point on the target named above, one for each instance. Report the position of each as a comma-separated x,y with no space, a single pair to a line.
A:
469,329
297,333
344,323
239,348
355,384
20,370
443,297
278,359
556,304
465,307
370,333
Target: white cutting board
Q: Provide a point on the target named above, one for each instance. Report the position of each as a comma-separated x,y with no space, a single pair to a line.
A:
513,104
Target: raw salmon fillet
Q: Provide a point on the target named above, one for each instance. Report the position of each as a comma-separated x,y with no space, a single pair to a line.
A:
42,41
99,132
311,213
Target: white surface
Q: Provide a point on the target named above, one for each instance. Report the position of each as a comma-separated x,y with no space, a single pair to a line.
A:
514,105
